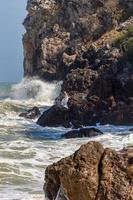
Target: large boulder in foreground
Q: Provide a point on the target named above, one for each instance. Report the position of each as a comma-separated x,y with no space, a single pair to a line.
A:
91,173
54,117
83,132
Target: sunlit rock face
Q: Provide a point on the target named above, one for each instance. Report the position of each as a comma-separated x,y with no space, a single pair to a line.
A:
57,31
92,173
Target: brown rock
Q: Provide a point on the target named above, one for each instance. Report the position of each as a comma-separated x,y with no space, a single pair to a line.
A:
79,80
92,173
54,26
89,46
78,174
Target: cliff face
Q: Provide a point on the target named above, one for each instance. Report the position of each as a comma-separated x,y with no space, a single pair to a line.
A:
57,31
89,45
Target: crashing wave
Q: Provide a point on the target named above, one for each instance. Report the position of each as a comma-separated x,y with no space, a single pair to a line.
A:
34,89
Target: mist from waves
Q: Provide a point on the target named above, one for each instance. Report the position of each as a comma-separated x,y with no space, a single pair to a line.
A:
22,161
35,91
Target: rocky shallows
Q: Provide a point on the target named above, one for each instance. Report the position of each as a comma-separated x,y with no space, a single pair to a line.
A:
89,46
91,173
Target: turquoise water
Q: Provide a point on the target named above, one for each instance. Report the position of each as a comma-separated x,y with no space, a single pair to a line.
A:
26,148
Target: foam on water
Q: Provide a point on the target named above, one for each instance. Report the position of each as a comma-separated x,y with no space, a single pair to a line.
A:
26,148
26,157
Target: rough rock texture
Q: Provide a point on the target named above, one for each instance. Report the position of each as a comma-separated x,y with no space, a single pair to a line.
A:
55,116
57,30
92,173
83,132
89,45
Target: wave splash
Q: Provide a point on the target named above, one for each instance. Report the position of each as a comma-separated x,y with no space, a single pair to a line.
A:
33,89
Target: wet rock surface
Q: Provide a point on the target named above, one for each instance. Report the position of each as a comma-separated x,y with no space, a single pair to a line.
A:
55,116
31,114
83,132
92,173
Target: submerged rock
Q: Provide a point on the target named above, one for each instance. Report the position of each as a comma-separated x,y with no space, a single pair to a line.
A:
31,114
92,173
83,132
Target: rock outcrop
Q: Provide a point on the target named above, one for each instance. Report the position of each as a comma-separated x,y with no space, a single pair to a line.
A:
92,173
57,30
54,117
89,46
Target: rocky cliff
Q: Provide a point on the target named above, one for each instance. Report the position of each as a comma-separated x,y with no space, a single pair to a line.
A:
89,45
57,30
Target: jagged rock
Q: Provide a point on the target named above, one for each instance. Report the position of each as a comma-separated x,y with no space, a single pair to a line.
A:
83,132
55,116
58,31
92,173
31,114
79,80
87,111
89,46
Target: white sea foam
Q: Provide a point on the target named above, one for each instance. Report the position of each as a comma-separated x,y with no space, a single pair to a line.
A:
26,159
26,148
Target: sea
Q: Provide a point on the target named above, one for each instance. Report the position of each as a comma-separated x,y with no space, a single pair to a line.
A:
26,149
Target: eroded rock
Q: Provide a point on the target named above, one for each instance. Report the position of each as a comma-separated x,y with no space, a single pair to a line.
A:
58,31
89,46
92,173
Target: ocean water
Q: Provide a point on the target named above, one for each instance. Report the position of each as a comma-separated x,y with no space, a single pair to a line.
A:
26,148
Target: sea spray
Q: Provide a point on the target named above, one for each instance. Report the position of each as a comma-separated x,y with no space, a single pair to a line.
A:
37,90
